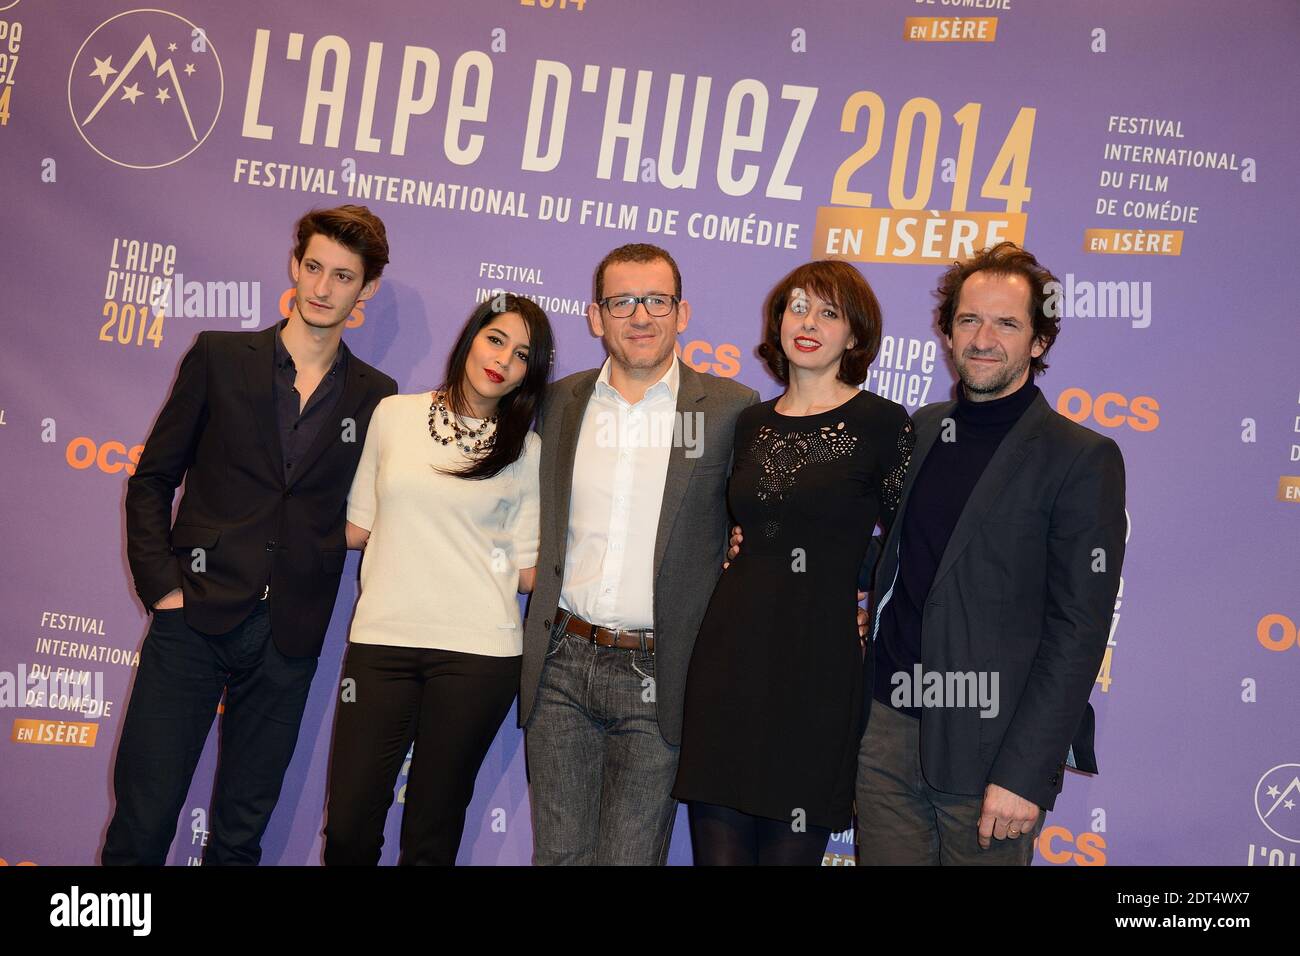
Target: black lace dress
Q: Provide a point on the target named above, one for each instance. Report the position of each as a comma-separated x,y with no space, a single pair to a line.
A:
774,692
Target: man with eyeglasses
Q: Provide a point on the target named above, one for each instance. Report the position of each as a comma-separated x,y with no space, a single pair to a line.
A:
635,459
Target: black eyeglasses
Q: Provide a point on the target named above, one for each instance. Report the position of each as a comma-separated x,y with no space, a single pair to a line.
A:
656,304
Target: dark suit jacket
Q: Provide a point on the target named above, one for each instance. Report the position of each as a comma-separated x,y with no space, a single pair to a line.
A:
1020,591
218,432
690,543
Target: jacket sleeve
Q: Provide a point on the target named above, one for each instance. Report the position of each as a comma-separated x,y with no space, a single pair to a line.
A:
1085,551
547,410
168,453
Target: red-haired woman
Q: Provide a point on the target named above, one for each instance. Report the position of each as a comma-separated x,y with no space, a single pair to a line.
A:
774,693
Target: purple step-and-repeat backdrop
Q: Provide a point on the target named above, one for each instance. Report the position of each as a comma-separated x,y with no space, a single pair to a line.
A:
152,162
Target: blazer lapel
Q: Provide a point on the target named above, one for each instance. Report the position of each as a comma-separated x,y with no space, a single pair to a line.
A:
349,404
259,371
1001,468
567,450
690,393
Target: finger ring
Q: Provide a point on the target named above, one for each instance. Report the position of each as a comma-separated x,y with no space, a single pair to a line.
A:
1013,831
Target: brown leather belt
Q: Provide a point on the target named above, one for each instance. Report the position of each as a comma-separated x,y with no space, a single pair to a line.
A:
625,640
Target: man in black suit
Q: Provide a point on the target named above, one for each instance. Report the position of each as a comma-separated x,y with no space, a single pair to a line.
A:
994,594
266,429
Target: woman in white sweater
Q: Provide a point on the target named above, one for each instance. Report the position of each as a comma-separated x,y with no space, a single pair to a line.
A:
445,505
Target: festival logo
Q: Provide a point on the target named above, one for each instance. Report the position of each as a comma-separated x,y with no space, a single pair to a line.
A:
1277,801
145,89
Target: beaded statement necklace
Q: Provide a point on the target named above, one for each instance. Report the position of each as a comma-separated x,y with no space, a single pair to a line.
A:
484,436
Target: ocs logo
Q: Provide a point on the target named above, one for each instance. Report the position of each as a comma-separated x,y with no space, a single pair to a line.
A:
721,360
1059,845
4,862
356,318
110,457
145,89
1277,801
1110,409
1277,632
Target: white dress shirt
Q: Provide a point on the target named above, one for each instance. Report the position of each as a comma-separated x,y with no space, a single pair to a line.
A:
618,488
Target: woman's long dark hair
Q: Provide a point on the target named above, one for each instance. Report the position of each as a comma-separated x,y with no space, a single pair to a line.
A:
515,411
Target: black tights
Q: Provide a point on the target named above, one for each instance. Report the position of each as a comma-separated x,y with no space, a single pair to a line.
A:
721,836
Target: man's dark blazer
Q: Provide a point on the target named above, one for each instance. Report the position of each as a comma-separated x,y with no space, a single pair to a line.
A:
218,431
1026,588
690,542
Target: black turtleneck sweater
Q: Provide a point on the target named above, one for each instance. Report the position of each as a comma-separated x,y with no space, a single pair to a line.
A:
938,497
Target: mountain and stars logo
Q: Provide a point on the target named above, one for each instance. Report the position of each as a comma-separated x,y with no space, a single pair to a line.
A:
145,88
1277,801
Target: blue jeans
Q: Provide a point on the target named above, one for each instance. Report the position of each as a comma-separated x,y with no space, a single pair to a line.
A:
601,774
179,683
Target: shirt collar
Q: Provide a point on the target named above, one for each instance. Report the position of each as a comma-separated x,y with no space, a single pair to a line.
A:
283,360
667,384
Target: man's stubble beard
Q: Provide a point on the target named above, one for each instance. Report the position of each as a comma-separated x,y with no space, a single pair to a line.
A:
621,356
1001,383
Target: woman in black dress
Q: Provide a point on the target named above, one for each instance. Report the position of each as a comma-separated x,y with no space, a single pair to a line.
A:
774,693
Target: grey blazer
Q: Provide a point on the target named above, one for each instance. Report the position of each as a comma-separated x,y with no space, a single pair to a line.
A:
690,544
1020,591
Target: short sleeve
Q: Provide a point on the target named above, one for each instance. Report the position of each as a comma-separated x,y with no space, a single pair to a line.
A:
527,524
362,497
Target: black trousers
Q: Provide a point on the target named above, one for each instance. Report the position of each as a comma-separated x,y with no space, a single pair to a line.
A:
178,686
451,706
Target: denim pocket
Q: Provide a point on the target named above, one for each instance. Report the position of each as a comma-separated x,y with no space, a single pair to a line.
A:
643,664
557,641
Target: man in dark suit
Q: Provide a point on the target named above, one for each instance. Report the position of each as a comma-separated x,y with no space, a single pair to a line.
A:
635,457
265,428
994,594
